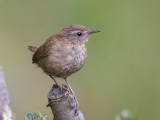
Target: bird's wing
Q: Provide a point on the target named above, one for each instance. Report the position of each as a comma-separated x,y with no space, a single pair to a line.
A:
45,50
36,58
40,54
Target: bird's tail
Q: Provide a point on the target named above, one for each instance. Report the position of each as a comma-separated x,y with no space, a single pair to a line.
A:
32,48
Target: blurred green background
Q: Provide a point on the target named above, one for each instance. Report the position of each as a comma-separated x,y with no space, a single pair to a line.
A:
123,65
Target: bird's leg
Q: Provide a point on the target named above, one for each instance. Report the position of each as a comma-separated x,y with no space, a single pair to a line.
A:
72,92
60,86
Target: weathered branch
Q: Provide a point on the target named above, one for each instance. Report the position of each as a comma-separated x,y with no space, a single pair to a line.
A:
5,109
63,105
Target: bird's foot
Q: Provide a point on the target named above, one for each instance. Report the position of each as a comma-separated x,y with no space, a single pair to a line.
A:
58,90
61,87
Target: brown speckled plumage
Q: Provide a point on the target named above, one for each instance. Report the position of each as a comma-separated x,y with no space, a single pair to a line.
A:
64,53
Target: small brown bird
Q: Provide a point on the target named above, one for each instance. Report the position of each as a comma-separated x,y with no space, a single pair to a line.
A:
64,53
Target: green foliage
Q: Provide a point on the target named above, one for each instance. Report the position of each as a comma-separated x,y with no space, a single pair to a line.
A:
35,116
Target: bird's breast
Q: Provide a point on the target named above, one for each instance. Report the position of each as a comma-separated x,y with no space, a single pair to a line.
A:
76,57
66,60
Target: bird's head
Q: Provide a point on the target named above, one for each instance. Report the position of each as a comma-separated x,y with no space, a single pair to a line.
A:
77,33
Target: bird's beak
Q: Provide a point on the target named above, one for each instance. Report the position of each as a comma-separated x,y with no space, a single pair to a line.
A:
93,31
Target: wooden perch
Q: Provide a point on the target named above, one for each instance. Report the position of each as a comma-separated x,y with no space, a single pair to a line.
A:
63,105
5,109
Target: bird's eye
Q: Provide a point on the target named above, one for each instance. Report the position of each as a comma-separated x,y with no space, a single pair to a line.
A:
79,33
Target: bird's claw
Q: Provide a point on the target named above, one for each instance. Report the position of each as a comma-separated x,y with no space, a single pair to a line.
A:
61,87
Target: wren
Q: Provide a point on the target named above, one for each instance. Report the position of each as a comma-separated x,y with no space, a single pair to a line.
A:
64,53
